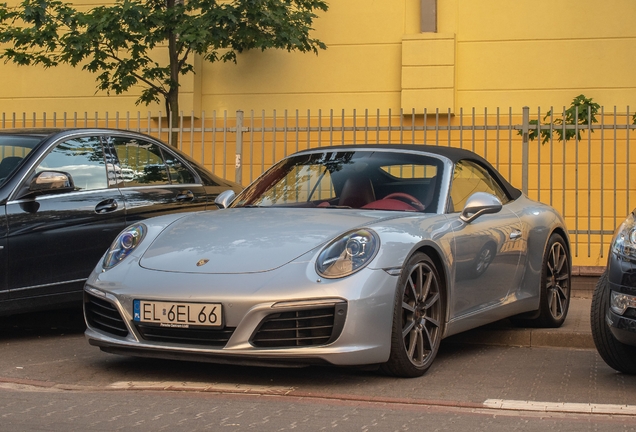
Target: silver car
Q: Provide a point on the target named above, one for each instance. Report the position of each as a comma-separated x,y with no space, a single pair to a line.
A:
349,255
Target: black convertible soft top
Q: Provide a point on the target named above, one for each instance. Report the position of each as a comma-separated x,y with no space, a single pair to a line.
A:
452,153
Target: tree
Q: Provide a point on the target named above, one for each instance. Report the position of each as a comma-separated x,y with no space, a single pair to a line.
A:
582,112
120,42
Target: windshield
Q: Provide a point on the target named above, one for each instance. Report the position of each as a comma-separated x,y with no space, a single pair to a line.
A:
13,148
374,180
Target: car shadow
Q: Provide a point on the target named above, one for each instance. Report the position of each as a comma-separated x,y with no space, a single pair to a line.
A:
44,323
313,376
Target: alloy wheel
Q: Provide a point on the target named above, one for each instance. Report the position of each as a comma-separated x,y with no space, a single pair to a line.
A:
558,280
421,314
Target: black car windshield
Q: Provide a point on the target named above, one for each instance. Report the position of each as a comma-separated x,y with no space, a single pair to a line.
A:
13,149
373,180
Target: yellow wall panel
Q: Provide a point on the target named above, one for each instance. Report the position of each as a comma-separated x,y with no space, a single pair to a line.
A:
542,19
427,49
432,98
517,64
427,76
362,22
361,71
303,102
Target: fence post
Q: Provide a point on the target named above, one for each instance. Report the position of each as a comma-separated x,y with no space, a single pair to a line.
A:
239,147
525,127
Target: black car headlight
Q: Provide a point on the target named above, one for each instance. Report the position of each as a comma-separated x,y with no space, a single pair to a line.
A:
624,244
124,244
620,302
348,253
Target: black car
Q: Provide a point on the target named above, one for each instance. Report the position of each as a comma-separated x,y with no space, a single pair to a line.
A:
66,194
613,312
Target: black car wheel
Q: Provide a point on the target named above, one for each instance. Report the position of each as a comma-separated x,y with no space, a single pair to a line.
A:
616,354
555,287
417,319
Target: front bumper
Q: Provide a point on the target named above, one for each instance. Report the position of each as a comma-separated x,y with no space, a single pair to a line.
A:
622,328
366,299
622,278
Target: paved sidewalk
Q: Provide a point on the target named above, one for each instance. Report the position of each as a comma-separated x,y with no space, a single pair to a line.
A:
574,333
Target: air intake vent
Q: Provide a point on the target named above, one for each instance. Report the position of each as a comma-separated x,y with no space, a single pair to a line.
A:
190,336
104,316
307,327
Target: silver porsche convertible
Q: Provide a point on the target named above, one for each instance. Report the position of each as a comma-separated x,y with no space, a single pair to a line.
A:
348,255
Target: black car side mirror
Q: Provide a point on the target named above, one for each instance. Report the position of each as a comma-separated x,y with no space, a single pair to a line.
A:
478,204
46,182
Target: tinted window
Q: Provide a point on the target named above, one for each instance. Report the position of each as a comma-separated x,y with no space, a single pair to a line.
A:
12,150
82,158
179,173
469,178
141,162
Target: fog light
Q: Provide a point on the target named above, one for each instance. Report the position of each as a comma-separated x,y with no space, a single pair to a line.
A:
620,302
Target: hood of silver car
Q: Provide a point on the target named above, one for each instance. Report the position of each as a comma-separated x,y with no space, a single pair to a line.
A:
248,240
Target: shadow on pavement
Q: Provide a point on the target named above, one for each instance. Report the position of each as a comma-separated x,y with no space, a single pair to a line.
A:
332,377
44,323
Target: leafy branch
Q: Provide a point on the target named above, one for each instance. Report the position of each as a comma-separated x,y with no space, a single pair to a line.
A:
582,112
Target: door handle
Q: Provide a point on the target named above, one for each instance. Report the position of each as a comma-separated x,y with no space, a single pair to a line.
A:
106,206
515,235
185,196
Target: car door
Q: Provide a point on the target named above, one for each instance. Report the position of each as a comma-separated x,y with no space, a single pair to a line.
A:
4,291
153,180
487,250
56,239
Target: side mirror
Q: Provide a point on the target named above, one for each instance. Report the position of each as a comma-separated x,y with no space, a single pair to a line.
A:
478,204
51,182
225,198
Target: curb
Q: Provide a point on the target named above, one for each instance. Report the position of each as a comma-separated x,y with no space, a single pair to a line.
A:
575,333
521,337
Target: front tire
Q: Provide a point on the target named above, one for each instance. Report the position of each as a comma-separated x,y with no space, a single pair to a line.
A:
616,354
418,318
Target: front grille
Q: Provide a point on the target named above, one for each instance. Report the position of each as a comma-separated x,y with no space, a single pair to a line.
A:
194,336
307,327
103,315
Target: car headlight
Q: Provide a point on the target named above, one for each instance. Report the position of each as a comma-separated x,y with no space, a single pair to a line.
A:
124,244
348,253
624,244
619,302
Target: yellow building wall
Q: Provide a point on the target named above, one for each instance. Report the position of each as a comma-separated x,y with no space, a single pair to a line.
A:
487,53
543,53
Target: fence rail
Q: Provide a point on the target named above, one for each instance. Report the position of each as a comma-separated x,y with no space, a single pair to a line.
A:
586,178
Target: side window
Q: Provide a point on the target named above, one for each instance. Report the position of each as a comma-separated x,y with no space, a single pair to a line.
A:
82,158
469,178
179,173
141,162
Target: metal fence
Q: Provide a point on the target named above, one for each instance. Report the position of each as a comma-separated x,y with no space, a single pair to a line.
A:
586,178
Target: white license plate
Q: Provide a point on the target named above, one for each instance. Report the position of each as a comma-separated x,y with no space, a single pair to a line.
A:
178,315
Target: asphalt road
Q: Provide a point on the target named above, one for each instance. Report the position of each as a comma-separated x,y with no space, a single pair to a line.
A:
51,379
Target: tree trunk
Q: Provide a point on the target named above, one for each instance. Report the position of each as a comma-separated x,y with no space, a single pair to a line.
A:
172,98
172,107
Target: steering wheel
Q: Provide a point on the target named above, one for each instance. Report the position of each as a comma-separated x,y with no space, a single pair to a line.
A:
409,199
